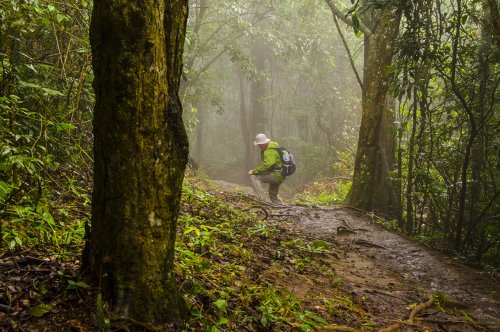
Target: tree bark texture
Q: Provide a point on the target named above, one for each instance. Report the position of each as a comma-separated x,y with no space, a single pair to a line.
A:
140,151
371,170
495,22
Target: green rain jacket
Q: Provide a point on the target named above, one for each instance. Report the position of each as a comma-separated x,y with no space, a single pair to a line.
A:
271,162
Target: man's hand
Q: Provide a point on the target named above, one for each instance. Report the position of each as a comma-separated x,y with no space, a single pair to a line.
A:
250,172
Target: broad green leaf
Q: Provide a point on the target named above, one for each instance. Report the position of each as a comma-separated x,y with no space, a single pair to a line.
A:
370,324
222,321
192,229
4,191
40,310
316,318
48,218
50,92
222,305
76,284
65,127
60,18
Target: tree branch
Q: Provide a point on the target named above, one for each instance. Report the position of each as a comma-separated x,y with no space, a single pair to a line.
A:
338,13
348,52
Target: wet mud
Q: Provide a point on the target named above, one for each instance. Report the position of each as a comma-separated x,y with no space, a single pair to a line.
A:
391,271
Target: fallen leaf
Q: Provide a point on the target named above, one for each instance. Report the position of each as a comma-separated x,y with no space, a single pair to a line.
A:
40,310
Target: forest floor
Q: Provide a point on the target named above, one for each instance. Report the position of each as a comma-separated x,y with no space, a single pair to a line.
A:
394,283
388,271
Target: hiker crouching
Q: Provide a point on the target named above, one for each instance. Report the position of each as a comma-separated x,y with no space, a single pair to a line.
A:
269,171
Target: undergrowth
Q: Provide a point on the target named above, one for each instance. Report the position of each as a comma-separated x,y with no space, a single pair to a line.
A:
328,191
235,270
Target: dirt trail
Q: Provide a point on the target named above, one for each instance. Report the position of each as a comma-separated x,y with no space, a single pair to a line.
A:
391,272
386,267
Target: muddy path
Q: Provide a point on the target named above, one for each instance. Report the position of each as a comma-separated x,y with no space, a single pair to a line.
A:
390,272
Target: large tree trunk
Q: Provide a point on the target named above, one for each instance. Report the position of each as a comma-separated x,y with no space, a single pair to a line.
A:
371,170
140,151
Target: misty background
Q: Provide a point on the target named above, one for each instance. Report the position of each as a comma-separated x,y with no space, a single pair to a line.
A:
276,67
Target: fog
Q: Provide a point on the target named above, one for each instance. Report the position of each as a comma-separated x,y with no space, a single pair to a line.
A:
273,67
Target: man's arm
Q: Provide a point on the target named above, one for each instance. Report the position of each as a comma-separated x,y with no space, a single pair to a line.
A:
268,162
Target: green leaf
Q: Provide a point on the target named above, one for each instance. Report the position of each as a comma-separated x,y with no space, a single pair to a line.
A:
222,305
4,191
48,91
40,310
355,23
43,288
369,323
52,92
48,218
60,18
222,321
66,127
311,319
467,318
75,285
192,229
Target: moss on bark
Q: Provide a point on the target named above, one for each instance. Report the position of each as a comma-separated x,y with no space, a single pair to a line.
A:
371,172
140,153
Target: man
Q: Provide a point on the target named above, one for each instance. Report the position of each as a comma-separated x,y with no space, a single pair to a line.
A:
269,171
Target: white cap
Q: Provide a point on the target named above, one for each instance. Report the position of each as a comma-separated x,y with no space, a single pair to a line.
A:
261,139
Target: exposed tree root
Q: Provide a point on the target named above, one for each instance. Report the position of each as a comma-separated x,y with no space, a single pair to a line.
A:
410,321
419,308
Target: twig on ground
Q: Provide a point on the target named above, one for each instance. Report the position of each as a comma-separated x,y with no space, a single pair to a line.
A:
344,230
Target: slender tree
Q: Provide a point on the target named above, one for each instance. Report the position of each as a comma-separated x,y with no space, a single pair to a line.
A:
140,151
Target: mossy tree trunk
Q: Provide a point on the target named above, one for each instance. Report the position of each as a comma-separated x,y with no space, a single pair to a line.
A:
371,169
140,153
